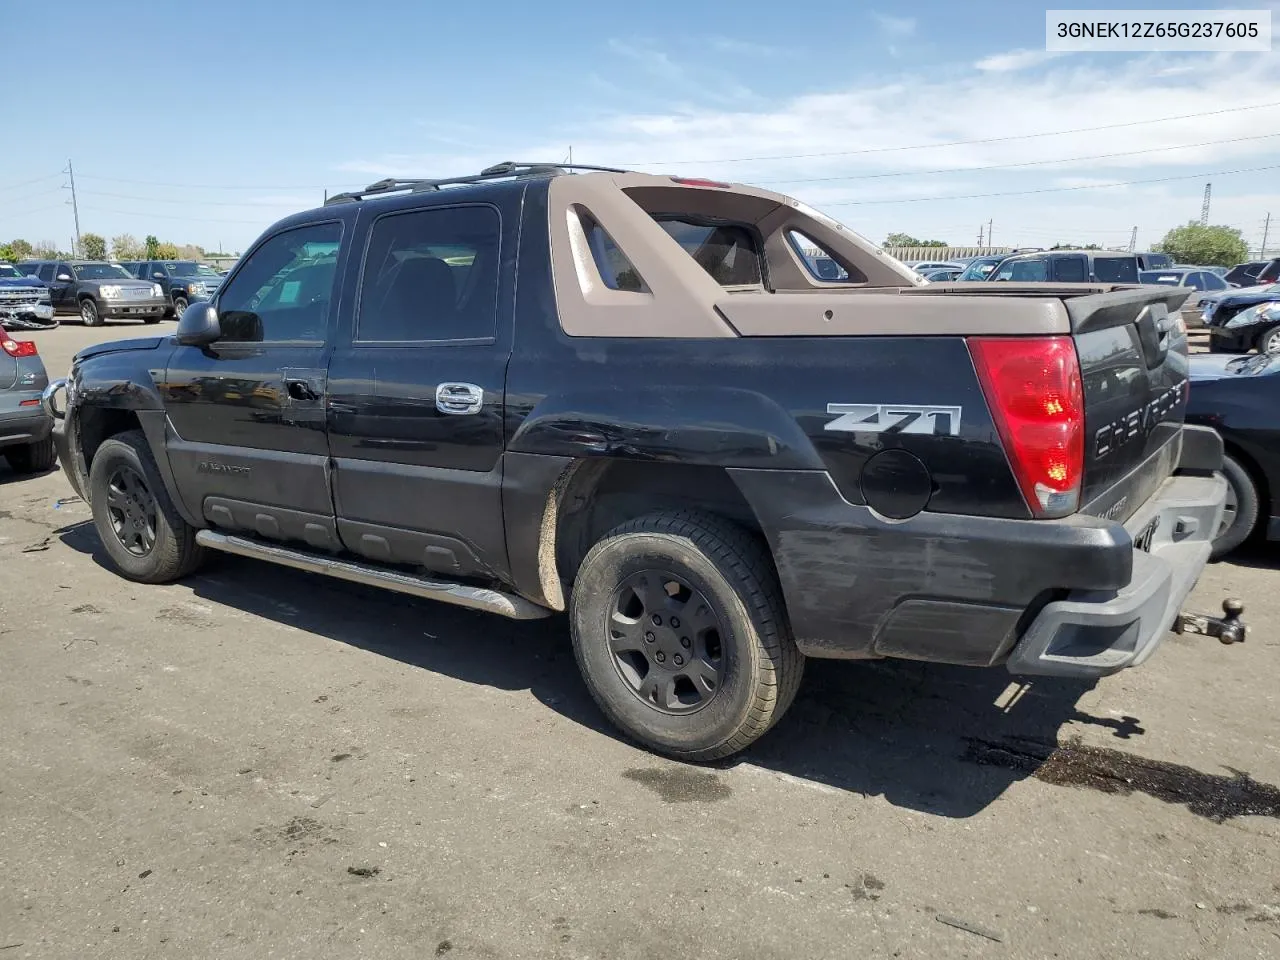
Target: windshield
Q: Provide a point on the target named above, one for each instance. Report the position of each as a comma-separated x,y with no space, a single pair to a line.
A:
1163,278
100,271
7,272
188,268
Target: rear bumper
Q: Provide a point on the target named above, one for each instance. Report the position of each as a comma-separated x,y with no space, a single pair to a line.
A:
1094,633
1070,597
24,425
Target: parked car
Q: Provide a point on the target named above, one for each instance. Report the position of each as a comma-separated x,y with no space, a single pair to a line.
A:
924,266
516,395
98,291
1244,320
1201,282
1154,261
943,275
184,281
1240,398
1067,266
979,268
25,426
1216,271
25,303
1254,273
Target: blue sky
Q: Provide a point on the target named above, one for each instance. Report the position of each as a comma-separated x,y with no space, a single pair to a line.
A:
211,121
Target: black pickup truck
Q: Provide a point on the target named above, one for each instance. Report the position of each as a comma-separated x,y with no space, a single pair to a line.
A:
636,399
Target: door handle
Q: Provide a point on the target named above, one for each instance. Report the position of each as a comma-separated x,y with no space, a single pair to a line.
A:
300,390
459,399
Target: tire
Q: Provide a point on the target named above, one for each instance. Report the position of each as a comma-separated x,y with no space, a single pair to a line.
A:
89,315
172,552
1242,514
32,457
179,304
715,573
1269,341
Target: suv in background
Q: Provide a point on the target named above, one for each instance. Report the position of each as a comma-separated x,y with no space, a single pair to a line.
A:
98,291
184,281
1154,261
1254,273
1067,266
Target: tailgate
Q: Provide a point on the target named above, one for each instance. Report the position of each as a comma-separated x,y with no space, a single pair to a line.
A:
1133,363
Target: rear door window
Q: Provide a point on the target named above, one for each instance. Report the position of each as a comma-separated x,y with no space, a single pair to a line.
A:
1070,270
1116,269
431,275
1023,271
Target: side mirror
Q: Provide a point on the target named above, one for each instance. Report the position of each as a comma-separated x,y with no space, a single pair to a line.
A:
65,277
198,326
159,275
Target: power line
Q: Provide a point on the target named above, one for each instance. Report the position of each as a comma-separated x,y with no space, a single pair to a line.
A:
1021,193
1025,163
162,216
959,143
215,186
24,183
188,201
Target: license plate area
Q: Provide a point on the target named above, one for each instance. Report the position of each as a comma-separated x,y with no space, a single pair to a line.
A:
1143,539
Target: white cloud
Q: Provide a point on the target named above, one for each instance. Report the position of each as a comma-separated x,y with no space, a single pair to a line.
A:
745,48
895,26
1014,60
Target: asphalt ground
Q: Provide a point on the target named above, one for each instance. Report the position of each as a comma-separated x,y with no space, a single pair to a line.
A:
258,763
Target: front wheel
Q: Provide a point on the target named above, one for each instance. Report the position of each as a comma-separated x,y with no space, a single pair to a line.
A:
179,307
1241,513
1269,341
681,635
89,312
142,532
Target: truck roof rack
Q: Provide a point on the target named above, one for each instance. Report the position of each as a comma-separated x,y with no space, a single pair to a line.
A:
499,171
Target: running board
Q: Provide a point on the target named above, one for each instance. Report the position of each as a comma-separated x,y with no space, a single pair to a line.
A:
460,594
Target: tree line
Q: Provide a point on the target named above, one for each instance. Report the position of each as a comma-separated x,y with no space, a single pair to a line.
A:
94,246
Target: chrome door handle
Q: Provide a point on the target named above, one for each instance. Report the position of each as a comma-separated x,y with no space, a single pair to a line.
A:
459,399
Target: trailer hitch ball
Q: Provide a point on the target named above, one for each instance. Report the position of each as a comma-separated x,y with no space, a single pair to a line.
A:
1228,628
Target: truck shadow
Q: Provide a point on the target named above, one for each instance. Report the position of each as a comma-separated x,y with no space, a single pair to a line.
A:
901,730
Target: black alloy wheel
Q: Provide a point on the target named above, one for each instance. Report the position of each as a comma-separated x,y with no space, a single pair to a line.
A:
132,509
665,637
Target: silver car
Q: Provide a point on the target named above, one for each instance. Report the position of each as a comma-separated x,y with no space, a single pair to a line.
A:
1203,282
25,428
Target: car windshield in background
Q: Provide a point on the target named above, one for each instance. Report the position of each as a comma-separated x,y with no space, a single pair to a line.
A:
1162,277
1115,269
101,271
1023,271
9,273
979,269
186,268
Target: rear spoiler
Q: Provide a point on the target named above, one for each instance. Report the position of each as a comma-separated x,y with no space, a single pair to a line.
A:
1090,306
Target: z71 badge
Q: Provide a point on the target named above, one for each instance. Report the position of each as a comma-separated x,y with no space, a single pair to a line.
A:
894,418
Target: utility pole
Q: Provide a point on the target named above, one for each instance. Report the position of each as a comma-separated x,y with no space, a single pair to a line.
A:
75,206
990,234
981,227
1266,229
1133,240
1204,207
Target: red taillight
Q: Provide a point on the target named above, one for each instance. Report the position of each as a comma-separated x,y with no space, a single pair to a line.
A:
695,182
1032,385
18,348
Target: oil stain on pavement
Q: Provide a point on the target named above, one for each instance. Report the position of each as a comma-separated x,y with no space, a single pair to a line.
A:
1214,797
680,784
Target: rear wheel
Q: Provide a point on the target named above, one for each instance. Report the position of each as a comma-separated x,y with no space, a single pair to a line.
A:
681,635
89,312
32,457
142,532
1241,513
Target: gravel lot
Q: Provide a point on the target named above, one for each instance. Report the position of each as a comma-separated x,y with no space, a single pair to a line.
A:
257,763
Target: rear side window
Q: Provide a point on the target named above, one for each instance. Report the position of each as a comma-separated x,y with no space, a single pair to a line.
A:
1213,282
819,261
431,275
616,269
1116,269
1270,273
729,252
